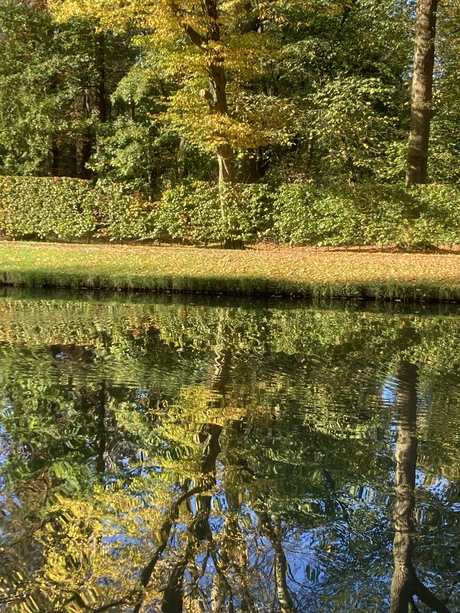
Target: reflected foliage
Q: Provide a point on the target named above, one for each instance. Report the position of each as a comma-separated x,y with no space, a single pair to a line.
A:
176,457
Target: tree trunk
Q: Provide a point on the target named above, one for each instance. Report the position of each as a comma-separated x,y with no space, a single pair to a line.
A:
250,172
101,93
219,106
83,146
309,160
99,49
216,96
226,160
422,82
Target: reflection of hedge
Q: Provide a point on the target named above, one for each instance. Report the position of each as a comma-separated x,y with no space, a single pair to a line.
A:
61,207
200,212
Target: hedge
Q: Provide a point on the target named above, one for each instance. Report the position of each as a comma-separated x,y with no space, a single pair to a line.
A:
199,212
367,214
65,208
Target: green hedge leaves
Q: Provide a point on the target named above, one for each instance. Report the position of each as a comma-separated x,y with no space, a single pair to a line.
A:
54,208
367,214
63,208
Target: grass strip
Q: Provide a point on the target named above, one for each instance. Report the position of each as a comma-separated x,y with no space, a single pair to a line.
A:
262,270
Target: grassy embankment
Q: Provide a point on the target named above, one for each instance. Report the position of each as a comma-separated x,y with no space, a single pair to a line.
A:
284,271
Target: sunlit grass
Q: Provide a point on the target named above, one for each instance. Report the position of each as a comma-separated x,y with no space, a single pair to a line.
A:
283,271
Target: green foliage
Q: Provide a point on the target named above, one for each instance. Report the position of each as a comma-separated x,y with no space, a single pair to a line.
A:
202,213
345,65
60,207
47,207
206,213
122,215
313,92
359,215
439,220
32,94
368,214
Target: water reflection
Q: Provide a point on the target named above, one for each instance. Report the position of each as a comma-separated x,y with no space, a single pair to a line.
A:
178,457
406,584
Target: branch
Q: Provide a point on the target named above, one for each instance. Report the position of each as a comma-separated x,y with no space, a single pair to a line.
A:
346,13
197,39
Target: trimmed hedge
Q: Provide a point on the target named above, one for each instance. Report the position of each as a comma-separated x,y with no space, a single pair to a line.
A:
122,216
199,212
47,207
367,214
64,208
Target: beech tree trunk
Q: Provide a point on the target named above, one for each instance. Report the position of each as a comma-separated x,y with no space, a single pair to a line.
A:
218,89
101,93
422,85
83,146
210,43
226,160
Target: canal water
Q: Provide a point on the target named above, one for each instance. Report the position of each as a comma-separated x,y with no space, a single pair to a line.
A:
168,455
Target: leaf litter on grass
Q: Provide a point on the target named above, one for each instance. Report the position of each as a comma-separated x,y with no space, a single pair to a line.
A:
140,266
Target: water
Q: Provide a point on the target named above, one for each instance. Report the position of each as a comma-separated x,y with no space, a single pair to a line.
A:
167,455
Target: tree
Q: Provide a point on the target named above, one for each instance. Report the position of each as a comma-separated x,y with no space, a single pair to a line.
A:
55,85
421,93
444,153
213,51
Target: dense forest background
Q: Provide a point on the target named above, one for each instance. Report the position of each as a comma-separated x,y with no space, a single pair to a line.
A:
225,121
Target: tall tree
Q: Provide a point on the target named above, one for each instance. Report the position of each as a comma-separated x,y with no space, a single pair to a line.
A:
421,96
55,84
213,51
443,166
344,65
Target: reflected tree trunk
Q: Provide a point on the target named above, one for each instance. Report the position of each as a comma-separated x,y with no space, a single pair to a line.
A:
272,529
199,529
405,584
101,434
281,568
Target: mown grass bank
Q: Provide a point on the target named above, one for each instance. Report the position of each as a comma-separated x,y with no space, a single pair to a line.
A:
280,271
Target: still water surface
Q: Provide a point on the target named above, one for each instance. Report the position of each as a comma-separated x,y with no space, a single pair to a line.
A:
159,455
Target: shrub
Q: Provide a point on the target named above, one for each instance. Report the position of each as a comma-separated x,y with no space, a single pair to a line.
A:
359,215
46,207
200,212
121,215
61,207
438,219
382,210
